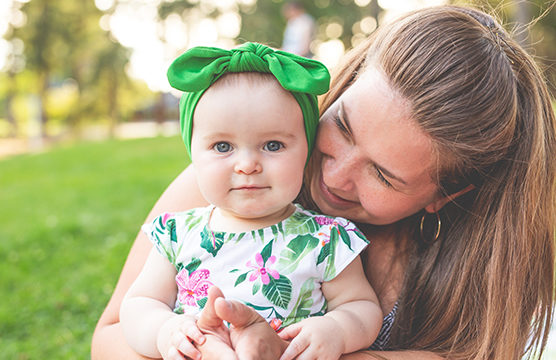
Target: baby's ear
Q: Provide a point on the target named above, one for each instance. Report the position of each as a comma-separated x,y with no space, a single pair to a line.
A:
439,203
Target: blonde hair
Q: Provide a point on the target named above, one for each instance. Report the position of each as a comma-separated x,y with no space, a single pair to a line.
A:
485,288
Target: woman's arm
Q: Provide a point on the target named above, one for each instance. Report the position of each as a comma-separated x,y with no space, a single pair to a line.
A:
108,340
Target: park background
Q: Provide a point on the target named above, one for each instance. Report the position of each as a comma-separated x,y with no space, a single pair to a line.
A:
88,135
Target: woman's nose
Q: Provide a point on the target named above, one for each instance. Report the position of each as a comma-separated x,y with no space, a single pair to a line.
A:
247,163
338,172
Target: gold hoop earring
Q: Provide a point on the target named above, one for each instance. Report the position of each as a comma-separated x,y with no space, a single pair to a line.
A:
438,226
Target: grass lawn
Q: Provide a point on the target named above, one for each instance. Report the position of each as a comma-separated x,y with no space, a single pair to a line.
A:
68,219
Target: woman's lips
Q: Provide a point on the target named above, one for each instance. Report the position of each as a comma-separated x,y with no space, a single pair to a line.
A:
333,198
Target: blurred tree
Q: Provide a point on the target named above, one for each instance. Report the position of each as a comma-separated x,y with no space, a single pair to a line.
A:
66,47
109,78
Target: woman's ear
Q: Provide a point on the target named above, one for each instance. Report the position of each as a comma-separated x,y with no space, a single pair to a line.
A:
439,203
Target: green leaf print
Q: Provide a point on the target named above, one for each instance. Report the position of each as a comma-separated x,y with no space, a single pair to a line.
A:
295,251
302,308
330,271
344,236
192,221
300,223
171,226
267,251
240,279
202,302
324,252
256,288
275,232
211,242
278,291
193,265
360,234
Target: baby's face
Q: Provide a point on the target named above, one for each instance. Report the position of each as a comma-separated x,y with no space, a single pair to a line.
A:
249,147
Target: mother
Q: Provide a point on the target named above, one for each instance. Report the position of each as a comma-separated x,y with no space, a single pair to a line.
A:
438,137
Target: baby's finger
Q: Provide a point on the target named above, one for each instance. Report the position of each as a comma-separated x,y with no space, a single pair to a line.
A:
173,354
296,347
187,349
289,332
193,333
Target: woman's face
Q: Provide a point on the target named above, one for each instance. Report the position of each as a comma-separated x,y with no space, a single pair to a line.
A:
375,162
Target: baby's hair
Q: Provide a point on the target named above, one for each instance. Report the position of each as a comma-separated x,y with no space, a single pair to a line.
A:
252,78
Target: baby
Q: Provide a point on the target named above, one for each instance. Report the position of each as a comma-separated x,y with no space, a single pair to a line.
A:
248,120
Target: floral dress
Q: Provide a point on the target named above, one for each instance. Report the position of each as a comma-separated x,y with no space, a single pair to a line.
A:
277,270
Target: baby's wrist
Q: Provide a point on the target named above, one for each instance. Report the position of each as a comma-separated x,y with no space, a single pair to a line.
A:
165,333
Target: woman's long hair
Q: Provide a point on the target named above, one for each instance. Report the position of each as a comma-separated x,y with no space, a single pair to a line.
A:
485,288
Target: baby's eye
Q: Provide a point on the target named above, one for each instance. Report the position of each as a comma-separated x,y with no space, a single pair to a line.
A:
222,147
273,146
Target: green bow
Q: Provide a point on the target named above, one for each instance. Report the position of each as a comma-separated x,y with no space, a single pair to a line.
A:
198,68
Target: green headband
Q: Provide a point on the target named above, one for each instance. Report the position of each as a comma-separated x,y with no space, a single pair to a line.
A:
198,68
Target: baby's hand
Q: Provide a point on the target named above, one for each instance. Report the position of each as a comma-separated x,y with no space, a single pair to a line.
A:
318,337
176,337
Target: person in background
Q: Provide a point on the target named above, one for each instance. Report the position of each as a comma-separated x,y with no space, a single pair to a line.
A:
299,31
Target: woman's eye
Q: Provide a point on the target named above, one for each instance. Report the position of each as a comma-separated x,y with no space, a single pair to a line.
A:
273,146
222,147
340,125
382,178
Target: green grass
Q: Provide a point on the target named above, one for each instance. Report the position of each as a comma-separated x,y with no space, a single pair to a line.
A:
68,219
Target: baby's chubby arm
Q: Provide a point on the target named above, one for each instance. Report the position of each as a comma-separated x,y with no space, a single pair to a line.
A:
149,325
353,320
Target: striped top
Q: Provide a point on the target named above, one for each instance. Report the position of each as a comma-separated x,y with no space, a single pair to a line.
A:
381,342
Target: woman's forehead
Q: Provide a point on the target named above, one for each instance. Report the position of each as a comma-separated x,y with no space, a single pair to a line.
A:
384,129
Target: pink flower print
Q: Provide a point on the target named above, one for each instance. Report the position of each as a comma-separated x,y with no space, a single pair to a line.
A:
261,268
324,220
193,287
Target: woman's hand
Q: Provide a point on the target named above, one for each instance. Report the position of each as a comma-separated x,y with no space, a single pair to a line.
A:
250,335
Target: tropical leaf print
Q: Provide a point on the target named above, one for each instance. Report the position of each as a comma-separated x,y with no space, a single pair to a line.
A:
202,302
295,251
300,223
302,308
278,291
241,278
344,236
211,242
256,288
192,220
193,265
330,270
267,251
171,228
327,253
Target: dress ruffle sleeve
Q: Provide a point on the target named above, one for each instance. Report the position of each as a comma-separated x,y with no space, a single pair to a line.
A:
162,233
341,242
